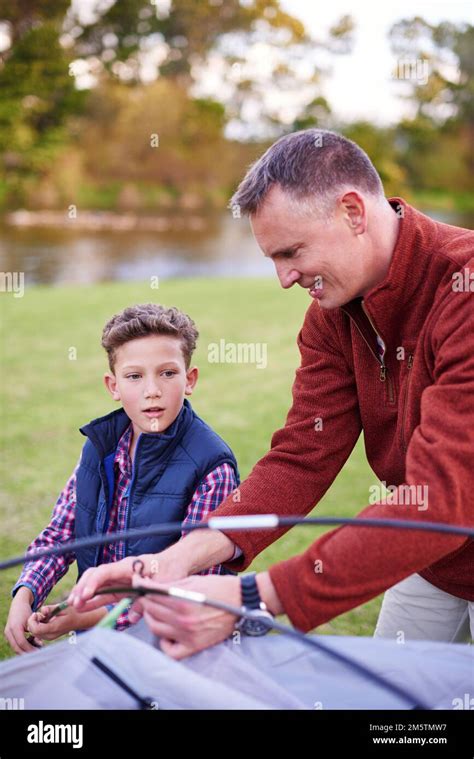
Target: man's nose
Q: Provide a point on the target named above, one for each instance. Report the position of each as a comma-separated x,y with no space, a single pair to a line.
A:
287,277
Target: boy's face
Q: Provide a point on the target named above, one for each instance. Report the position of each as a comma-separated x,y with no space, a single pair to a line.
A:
150,380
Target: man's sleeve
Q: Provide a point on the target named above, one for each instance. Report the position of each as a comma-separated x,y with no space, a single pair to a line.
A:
350,565
320,432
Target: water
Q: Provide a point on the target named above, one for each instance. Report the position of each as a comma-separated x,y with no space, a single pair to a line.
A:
216,247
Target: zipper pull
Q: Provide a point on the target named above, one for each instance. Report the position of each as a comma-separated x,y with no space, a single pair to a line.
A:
383,373
410,361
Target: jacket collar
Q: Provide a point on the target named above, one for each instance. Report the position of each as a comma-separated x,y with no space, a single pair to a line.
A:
106,431
388,303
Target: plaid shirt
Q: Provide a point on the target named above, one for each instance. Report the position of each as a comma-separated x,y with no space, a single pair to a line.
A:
41,576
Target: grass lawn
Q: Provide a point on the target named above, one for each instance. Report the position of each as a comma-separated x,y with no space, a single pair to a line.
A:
46,397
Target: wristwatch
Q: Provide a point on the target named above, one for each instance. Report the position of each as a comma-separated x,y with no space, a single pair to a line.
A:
252,602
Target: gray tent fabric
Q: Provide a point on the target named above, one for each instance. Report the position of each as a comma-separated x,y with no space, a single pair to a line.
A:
272,672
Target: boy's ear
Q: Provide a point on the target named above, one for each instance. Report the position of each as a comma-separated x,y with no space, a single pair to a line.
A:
110,383
191,379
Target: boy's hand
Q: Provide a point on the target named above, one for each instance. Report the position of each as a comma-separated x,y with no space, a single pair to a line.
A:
163,566
83,596
16,626
62,623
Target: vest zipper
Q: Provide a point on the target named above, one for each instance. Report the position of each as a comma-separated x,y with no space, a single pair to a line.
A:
99,551
132,482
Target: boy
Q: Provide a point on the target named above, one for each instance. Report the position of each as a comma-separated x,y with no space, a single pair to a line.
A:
150,462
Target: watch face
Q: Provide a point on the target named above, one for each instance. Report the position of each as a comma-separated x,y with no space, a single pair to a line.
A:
255,627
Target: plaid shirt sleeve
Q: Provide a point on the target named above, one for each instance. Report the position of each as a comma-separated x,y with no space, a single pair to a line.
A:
209,494
42,575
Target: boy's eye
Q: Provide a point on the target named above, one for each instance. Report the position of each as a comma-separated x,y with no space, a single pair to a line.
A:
132,376
169,372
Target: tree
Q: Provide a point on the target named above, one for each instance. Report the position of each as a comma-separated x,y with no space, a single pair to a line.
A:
269,69
38,94
187,29
441,85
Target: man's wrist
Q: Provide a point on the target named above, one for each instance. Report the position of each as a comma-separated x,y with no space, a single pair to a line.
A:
211,547
268,593
172,563
195,552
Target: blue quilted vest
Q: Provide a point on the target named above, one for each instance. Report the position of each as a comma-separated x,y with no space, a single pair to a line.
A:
167,469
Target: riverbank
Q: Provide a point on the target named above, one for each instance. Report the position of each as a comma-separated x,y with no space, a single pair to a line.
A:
184,219
109,221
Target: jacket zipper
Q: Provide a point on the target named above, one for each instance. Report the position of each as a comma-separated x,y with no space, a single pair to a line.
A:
384,376
405,397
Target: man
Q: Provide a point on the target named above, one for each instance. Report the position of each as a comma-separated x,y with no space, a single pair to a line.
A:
387,347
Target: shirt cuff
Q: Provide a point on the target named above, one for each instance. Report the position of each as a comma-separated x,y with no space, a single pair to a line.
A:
30,587
237,552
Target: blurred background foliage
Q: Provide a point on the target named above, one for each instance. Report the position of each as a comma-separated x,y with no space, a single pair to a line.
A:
82,97
153,110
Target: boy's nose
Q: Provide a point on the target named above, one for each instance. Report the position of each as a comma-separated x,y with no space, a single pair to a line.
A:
152,392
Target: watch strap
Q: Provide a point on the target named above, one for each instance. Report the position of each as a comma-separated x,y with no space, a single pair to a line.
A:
250,594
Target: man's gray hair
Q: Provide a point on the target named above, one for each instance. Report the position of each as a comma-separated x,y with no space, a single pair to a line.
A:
312,166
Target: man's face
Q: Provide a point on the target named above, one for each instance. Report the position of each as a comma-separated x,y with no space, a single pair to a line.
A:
330,259
150,379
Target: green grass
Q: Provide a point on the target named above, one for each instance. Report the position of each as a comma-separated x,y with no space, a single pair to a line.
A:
46,397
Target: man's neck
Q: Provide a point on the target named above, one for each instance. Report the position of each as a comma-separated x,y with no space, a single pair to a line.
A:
388,222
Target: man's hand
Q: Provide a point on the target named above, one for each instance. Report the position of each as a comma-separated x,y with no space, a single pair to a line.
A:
193,553
62,623
16,626
186,628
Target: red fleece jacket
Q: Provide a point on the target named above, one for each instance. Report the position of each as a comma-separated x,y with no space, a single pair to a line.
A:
417,414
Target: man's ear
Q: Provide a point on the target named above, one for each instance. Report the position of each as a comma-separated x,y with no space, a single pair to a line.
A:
191,379
110,383
354,211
